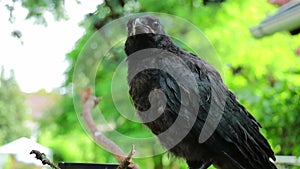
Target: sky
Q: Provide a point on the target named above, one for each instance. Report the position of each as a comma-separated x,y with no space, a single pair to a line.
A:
40,62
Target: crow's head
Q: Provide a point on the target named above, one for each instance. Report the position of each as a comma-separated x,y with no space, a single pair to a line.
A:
144,24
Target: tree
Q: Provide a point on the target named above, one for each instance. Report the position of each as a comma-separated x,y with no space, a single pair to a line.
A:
12,110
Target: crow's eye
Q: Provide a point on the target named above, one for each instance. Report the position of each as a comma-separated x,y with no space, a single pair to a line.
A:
155,24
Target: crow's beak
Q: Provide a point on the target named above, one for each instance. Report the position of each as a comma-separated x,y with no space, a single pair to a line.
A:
138,27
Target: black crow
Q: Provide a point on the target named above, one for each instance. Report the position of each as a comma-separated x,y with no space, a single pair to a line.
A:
185,103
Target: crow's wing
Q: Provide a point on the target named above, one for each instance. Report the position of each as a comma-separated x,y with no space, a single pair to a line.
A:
235,140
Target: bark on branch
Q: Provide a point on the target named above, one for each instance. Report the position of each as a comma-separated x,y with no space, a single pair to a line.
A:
44,159
89,102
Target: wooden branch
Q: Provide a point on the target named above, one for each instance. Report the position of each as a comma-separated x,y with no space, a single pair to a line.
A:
44,159
89,102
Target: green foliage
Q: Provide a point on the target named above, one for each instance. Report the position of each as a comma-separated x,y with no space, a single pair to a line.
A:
12,110
278,112
38,8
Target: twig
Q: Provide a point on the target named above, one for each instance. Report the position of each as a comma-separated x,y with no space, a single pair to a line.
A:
89,102
44,159
127,162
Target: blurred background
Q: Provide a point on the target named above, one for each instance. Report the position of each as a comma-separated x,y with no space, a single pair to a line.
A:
41,41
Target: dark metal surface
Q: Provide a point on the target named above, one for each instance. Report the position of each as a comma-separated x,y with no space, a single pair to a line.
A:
287,18
66,165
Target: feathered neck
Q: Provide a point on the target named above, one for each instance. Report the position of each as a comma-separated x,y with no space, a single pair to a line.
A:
149,40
